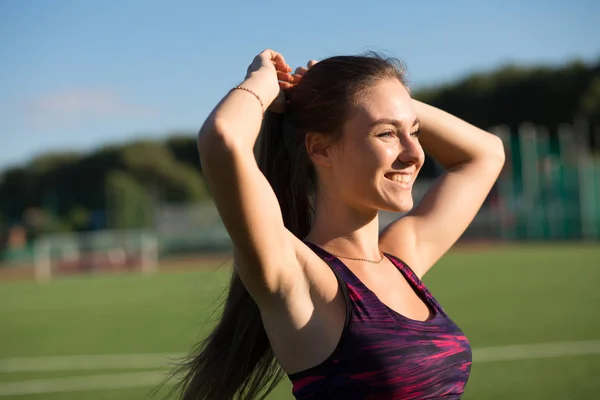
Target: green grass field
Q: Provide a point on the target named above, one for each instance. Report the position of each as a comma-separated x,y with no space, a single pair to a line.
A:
500,296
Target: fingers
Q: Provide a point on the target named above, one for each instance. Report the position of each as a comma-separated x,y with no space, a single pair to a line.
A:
286,79
279,62
303,70
285,85
285,76
300,71
277,59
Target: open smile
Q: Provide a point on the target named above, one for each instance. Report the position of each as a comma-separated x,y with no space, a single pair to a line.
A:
403,180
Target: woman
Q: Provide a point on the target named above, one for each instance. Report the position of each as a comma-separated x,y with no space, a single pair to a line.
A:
317,291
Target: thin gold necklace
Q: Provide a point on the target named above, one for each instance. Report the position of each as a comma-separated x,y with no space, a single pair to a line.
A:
355,258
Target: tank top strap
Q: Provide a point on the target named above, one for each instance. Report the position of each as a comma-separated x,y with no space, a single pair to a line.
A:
414,280
358,295
335,264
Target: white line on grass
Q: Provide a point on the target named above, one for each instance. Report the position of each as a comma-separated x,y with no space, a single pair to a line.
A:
88,362
83,383
535,351
155,361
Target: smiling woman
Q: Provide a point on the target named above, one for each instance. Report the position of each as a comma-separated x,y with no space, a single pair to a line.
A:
341,140
381,155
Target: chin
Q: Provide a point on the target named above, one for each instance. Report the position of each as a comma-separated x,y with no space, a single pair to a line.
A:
399,206
401,209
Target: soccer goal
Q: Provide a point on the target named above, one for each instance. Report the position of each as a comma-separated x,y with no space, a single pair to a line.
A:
93,252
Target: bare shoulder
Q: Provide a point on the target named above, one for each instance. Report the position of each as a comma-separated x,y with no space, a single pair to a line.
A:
399,240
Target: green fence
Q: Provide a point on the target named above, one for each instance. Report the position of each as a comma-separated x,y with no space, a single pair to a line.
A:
550,188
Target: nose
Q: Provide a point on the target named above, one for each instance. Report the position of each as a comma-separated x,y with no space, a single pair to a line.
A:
410,152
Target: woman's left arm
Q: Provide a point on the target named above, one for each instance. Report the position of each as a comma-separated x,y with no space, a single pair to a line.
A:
473,160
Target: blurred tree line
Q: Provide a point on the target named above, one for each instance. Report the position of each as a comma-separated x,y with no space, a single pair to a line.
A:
545,96
119,186
113,187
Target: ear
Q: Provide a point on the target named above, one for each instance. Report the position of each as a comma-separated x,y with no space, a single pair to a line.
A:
318,148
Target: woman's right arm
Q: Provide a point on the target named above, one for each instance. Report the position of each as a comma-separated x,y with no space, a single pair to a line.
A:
267,251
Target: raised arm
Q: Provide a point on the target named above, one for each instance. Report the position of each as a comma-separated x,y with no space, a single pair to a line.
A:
473,160
245,200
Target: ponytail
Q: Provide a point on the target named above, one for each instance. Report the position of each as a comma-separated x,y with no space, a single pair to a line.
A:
236,360
284,161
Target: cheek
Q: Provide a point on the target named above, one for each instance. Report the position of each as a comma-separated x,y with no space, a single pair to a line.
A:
389,154
366,160
353,169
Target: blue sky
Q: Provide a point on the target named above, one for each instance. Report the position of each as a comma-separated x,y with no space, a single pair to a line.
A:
77,74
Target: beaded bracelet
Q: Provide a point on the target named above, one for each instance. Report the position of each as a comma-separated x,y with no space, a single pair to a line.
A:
262,106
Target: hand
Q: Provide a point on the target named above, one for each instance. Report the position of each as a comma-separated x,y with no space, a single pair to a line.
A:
300,71
269,75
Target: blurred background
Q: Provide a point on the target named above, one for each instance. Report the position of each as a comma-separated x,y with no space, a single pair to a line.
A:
113,257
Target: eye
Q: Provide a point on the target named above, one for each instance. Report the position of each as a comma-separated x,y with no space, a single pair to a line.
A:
387,134
416,133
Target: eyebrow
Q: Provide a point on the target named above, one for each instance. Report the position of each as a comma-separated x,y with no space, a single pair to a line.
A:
390,121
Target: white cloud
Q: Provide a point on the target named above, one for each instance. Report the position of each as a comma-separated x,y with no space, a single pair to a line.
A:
104,102
77,105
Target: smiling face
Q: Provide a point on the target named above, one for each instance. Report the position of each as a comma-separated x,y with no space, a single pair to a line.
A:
378,157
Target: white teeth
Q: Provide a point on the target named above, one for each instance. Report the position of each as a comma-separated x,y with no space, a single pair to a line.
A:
401,178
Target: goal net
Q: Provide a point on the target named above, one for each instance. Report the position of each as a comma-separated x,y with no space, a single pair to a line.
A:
92,252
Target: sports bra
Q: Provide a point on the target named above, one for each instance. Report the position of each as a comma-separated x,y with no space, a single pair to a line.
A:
383,355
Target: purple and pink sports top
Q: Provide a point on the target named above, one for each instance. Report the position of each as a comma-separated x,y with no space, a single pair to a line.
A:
383,355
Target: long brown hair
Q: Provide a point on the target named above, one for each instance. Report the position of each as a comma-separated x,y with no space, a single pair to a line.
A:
236,359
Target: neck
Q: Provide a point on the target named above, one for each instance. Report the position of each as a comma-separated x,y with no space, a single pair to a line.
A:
345,230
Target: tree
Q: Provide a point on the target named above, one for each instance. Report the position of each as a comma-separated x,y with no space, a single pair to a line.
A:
590,101
168,179
545,96
128,204
184,149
